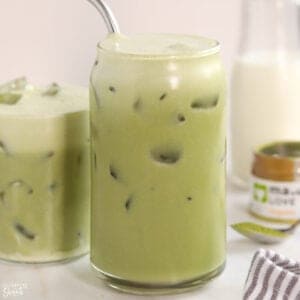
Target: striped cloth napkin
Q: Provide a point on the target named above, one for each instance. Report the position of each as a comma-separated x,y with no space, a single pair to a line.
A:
272,277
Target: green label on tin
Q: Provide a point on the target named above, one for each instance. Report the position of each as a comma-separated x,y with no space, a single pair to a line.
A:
260,192
275,199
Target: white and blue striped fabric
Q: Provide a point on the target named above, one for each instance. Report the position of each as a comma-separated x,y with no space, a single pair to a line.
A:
272,277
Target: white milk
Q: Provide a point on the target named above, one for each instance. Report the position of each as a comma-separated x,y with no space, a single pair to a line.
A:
265,105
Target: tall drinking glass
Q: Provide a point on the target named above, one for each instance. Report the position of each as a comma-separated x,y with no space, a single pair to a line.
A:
158,162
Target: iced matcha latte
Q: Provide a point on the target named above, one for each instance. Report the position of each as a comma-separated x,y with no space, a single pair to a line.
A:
44,172
158,171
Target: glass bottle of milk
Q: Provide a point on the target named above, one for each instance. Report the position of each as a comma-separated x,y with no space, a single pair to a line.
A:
265,104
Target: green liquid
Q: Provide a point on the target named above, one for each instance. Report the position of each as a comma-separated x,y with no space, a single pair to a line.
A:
44,178
42,204
158,172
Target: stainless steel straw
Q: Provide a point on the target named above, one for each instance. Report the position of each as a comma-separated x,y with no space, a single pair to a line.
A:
107,14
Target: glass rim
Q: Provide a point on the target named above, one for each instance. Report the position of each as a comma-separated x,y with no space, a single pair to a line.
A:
210,50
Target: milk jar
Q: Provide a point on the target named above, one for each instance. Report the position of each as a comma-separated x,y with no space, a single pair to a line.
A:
265,104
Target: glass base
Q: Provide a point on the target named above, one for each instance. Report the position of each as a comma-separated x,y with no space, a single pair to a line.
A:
52,260
156,289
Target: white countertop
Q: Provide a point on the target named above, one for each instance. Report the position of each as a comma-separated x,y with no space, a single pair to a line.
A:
75,281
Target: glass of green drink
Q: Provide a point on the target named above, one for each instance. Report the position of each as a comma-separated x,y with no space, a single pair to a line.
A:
44,172
157,113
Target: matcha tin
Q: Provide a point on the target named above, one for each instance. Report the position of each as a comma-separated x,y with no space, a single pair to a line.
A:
275,186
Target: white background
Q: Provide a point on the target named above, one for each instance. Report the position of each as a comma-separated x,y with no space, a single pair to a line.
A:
55,40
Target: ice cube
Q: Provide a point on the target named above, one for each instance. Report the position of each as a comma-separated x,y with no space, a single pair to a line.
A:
11,92
52,90
18,84
10,98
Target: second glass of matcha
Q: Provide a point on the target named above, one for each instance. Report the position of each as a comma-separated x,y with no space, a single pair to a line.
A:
158,162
